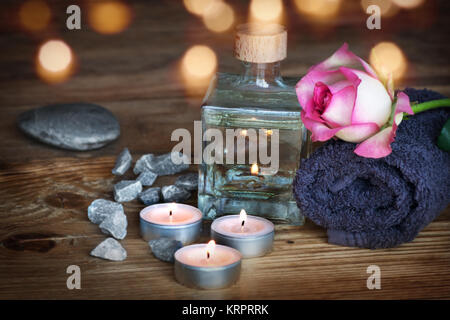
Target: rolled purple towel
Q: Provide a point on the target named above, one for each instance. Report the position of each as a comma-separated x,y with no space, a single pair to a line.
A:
379,203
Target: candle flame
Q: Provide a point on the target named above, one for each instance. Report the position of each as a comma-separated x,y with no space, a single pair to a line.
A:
109,16
244,132
269,132
243,218
210,248
254,169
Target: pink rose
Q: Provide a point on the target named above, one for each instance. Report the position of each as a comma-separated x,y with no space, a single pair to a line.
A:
342,97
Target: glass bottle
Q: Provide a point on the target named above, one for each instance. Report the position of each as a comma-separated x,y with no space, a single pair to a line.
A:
257,101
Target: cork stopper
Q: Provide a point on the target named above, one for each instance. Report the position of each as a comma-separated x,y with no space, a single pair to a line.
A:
260,43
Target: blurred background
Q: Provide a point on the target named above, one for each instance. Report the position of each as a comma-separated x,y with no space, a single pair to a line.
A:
150,62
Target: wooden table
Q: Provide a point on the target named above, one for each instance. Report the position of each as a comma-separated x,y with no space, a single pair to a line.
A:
45,192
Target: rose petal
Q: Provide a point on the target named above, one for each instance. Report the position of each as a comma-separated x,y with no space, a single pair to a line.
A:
357,132
338,86
345,58
377,146
373,103
339,111
305,87
319,131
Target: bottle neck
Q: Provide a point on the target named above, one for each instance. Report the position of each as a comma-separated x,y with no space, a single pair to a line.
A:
262,75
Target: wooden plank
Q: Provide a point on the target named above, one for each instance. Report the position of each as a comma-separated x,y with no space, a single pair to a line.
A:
45,228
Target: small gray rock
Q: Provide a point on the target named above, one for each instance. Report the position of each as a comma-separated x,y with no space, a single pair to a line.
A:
115,224
99,209
123,162
188,181
150,196
174,193
161,165
110,249
127,190
165,248
147,178
73,126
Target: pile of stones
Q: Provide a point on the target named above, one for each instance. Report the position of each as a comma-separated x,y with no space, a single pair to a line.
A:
110,215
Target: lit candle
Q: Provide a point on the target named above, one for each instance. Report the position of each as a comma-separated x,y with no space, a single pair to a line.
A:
171,220
251,235
207,266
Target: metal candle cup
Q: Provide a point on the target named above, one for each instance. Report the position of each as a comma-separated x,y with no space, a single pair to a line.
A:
195,268
171,220
253,238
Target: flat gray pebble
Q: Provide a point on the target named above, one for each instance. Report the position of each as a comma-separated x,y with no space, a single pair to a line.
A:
123,163
147,178
127,190
110,249
73,126
188,181
165,248
174,193
150,196
99,209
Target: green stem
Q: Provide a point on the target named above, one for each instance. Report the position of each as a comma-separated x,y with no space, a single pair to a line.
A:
430,105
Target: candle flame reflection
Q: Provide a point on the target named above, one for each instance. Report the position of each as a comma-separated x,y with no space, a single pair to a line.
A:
387,58
109,16
266,11
254,169
35,15
55,61
210,248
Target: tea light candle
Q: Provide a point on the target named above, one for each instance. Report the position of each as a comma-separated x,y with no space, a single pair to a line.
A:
207,266
251,235
171,220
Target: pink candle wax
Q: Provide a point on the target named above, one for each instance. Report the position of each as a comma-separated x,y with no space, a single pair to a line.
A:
196,255
171,214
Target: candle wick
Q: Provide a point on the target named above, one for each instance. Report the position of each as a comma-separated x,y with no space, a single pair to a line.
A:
170,213
207,255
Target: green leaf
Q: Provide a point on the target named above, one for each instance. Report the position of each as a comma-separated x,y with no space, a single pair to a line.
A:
443,140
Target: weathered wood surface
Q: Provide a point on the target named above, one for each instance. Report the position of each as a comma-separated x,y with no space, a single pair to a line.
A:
44,192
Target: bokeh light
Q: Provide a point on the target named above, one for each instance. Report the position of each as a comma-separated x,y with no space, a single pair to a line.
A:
34,15
109,16
198,65
387,58
198,7
55,61
387,7
408,4
218,17
319,9
270,11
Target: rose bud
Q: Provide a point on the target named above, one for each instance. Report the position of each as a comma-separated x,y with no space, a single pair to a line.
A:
343,97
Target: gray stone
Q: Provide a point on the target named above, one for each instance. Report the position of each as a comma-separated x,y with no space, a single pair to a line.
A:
188,181
115,224
110,249
174,193
150,196
147,178
127,190
165,248
99,209
73,126
123,162
161,165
